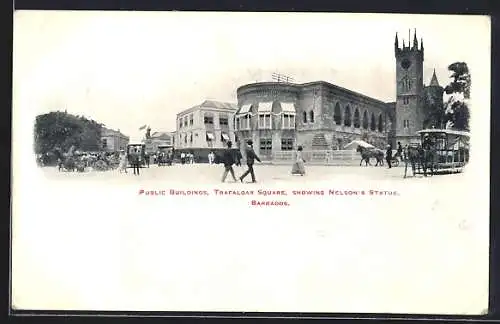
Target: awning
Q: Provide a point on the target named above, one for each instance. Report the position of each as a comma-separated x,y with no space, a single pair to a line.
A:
287,107
225,136
358,143
245,109
210,136
265,106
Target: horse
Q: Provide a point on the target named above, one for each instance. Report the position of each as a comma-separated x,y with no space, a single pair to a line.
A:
420,158
368,153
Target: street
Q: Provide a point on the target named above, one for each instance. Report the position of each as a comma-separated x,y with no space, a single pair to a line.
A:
195,174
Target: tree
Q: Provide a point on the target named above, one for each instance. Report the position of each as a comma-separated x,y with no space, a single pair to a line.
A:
457,113
58,131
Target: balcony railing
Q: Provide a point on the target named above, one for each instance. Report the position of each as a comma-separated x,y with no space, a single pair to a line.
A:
328,157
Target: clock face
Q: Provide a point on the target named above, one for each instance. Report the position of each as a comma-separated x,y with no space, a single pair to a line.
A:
405,64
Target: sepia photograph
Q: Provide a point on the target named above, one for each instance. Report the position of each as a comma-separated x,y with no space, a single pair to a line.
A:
250,162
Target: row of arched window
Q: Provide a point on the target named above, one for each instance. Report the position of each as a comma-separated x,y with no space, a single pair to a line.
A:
367,122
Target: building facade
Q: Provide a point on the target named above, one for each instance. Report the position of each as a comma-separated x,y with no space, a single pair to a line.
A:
323,116
113,140
159,139
317,116
206,126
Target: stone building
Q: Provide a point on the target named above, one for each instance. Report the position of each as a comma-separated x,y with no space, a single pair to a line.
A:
113,140
316,115
207,126
323,116
415,102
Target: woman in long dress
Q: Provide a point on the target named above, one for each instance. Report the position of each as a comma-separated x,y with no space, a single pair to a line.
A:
123,162
298,165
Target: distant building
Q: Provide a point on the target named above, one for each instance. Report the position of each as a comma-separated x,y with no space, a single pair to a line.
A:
159,139
113,140
206,126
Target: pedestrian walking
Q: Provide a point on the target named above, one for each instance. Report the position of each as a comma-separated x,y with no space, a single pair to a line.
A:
228,159
388,156
251,157
123,162
298,166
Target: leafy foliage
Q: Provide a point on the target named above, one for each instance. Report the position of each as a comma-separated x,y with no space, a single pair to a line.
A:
461,79
457,112
57,132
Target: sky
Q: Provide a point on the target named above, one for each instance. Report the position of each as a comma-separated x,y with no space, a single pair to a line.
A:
127,69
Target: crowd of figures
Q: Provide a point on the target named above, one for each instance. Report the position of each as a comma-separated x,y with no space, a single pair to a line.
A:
80,161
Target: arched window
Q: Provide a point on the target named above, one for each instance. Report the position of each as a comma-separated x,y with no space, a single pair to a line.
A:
304,117
337,117
365,120
373,125
347,116
380,123
357,122
311,116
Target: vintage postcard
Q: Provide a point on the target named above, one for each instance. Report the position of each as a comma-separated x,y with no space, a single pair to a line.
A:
256,162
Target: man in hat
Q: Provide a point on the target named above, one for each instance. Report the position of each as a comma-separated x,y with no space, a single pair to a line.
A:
251,157
427,144
135,160
228,160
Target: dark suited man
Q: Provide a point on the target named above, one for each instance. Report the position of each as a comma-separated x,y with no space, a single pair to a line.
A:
228,160
388,156
135,161
251,157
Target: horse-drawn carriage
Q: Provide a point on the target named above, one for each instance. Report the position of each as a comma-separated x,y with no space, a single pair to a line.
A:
136,152
438,151
368,152
165,155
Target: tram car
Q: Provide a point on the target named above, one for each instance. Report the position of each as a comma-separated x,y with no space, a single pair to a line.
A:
451,147
137,150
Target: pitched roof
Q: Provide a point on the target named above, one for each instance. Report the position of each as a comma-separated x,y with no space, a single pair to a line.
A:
434,80
219,105
161,134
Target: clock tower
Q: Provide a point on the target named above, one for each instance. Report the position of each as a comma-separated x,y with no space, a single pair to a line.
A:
409,114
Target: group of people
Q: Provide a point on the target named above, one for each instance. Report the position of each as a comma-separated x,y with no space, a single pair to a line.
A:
187,158
230,158
162,158
80,161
